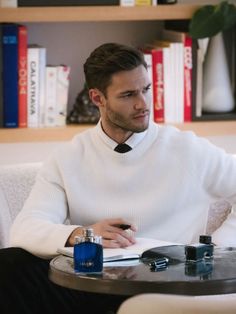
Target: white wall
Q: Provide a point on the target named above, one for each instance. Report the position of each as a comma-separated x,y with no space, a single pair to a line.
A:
71,43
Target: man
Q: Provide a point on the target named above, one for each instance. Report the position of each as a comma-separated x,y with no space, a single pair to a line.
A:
161,182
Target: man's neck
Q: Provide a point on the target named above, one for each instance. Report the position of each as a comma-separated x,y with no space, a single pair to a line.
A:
118,135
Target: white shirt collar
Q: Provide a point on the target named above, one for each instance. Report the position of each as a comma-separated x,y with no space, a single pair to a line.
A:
132,141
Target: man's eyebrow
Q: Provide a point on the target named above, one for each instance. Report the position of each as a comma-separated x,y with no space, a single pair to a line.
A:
134,90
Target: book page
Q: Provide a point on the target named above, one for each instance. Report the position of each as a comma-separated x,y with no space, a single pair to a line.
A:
130,252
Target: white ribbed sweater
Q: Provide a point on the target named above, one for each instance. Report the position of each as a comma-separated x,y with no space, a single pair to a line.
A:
164,185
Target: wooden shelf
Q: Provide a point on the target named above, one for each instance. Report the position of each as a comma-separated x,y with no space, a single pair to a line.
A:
97,13
212,128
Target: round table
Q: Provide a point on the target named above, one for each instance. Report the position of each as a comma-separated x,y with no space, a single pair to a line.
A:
216,276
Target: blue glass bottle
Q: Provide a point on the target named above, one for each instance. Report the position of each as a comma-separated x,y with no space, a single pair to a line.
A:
88,253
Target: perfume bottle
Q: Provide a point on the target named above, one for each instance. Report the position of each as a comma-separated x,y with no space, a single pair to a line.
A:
88,253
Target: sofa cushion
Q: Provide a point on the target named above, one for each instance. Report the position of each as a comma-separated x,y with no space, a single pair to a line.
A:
16,182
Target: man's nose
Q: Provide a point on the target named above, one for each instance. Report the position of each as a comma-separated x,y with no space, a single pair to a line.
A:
141,102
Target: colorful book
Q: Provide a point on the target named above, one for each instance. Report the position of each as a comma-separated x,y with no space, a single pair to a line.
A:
1,82
62,89
143,2
157,81
127,3
169,79
63,3
22,76
186,40
10,75
36,68
158,84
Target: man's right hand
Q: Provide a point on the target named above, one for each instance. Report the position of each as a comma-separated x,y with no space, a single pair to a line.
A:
108,229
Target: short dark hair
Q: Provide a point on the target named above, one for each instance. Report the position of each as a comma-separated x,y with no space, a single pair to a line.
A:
108,59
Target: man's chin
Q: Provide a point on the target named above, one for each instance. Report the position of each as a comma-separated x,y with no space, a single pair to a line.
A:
141,128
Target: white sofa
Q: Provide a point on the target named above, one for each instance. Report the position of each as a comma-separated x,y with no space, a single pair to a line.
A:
16,182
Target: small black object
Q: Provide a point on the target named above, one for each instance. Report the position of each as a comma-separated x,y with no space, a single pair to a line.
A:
122,148
167,1
202,268
198,252
159,264
124,226
205,239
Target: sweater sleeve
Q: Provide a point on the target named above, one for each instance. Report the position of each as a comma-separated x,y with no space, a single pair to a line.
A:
220,183
40,226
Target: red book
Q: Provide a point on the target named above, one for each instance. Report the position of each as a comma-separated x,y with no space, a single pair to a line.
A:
187,78
157,81
22,76
158,84
183,37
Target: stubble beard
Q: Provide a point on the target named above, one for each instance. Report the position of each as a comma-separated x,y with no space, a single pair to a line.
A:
119,121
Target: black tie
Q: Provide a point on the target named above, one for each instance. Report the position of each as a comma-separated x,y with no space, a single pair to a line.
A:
122,148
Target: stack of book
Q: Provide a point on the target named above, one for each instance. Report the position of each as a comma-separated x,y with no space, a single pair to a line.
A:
33,93
170,61
45,3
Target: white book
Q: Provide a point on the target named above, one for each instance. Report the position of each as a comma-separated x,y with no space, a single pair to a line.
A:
168,90
36,69
127,3
62,89
179,81
8,3
51,96
42,75
120,254
148,59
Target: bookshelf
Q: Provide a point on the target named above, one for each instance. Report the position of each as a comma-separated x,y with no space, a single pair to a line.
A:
210,128
100,14
97,14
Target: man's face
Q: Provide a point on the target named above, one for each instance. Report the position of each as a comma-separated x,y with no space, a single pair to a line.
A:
126,106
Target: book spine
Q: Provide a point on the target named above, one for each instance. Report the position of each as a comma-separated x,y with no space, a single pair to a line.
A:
22,76
62,89
158,84
143,2
179,81
127,3
10,75
1,81
33,87
148,60
51,96
42,85
42,3
188,65
8,3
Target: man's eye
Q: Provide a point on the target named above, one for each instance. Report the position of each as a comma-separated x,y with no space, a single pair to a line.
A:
126,95
146,89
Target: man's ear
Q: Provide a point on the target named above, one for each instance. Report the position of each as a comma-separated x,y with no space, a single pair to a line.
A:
97,97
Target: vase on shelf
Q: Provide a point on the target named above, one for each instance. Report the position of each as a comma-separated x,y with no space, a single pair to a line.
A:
217,90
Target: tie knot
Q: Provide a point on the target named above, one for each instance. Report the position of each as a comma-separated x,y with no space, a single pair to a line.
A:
122,148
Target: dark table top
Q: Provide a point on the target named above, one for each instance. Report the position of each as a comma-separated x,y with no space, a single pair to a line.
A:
216,276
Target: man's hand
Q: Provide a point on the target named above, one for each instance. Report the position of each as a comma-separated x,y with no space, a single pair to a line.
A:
113,236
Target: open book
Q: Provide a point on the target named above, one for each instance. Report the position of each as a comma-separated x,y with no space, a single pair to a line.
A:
131,252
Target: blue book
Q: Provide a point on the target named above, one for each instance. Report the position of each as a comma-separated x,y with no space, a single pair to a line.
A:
10,74
1,96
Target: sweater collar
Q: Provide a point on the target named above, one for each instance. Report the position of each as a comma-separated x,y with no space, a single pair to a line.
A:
132,141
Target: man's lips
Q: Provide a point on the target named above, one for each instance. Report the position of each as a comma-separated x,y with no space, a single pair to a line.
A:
141,115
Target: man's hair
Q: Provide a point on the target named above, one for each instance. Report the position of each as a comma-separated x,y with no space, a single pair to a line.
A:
108,59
